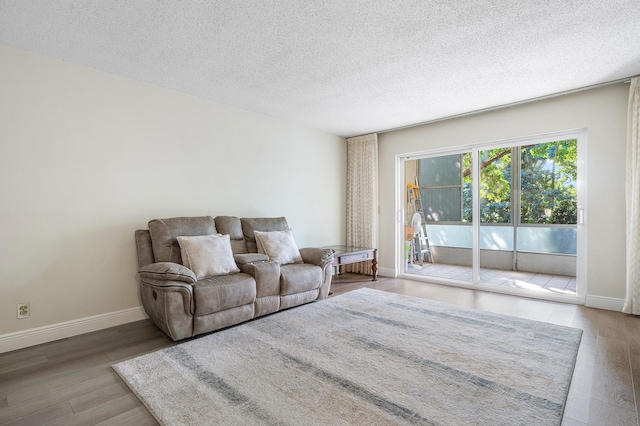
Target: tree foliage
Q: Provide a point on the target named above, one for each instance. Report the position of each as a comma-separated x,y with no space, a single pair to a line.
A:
548,178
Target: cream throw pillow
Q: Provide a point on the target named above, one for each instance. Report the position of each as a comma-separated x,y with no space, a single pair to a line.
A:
279,246
208,255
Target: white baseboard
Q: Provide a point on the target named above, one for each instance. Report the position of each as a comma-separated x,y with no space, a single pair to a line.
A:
387,272
49,333
603,302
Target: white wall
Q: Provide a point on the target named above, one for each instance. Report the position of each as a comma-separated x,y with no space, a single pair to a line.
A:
87,157
603,112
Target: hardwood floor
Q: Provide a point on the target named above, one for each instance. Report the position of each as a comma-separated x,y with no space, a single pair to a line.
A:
70,381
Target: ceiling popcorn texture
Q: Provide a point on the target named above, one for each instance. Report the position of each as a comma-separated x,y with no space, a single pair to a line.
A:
344,67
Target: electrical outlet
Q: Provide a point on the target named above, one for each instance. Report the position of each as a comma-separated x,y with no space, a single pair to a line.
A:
24,310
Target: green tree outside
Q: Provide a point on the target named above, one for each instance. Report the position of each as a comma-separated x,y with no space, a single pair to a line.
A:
548,184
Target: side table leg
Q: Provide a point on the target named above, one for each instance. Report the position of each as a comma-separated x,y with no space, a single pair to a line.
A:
374,265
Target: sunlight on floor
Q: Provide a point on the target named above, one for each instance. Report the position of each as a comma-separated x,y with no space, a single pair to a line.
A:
545,283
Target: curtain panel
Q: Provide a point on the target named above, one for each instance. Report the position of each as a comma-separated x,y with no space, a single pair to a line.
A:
362,196
632,299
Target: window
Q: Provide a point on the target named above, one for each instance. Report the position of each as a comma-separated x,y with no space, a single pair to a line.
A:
546,182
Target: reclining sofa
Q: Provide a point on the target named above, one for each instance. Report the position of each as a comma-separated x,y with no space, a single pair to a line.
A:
200,274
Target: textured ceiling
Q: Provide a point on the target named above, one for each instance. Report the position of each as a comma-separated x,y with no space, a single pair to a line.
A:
345,67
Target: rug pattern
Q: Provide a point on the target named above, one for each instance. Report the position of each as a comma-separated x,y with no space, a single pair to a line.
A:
365,357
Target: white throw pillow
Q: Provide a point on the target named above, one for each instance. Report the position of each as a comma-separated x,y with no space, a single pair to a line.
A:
279,246
208,255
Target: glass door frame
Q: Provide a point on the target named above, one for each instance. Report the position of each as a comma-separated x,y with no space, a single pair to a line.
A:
581,277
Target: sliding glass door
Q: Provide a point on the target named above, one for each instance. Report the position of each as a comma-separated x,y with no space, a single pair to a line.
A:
439,186
504,216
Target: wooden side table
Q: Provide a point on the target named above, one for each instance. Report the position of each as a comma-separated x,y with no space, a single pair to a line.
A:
345,255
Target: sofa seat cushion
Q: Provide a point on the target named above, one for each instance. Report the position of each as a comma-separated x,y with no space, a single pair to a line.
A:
216,294
299,277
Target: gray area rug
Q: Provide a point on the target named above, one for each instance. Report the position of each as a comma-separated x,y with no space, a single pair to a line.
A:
365,357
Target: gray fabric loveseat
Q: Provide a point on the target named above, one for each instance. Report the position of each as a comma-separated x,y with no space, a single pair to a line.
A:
200,274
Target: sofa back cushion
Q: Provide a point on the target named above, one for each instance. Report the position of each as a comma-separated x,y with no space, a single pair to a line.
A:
264,224
164,234
231,226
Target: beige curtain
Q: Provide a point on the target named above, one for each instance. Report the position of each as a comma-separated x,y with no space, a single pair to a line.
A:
362,196
632,299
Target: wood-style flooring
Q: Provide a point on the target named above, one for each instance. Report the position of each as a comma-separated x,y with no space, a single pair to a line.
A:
70,381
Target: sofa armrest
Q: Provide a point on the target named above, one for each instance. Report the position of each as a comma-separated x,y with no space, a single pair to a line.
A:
324,259
244,258
167,271
170,305
317,256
